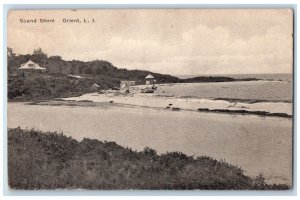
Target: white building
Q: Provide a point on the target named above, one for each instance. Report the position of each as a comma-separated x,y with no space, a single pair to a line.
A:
150,79
31,66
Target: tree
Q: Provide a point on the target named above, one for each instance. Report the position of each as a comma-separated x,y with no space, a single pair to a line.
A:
260,182
39,57
38,51
149,151
10,52
55,58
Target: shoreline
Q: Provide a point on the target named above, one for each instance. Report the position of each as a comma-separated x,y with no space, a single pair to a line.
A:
89,103
230,100
226,106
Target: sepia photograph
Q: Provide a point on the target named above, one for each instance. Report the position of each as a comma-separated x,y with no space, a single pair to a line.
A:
150,99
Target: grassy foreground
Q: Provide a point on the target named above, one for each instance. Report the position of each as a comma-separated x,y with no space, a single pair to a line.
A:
38,160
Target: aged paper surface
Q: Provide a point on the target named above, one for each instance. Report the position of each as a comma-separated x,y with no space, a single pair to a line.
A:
170,99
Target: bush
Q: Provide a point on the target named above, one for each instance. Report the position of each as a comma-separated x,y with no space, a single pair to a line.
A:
38,160
149,152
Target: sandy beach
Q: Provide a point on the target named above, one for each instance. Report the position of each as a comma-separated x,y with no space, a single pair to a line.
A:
184,103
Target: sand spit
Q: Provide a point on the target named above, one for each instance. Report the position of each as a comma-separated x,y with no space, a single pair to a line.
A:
280,109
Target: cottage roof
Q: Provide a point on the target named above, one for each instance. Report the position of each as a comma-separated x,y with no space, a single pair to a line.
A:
149,76
31,65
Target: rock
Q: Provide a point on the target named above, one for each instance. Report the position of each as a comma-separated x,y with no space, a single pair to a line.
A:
126,91
147,90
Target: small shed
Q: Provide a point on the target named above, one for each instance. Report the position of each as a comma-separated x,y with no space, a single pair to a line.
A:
150,79
31,66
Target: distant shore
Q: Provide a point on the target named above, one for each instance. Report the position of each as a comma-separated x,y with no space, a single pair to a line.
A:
36,86
61,77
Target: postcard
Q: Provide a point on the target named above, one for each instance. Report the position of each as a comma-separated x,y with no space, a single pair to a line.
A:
150,99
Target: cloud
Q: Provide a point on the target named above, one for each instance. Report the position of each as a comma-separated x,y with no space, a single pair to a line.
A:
176,42
205,50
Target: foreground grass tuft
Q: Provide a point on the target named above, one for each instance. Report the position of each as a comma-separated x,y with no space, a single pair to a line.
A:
39,160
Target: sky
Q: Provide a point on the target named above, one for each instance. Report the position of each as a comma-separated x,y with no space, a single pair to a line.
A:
169,41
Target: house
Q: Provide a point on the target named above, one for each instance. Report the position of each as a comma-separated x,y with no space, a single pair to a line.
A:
150,79
31,66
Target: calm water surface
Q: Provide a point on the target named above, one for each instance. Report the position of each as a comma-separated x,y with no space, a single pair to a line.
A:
254,90
254,143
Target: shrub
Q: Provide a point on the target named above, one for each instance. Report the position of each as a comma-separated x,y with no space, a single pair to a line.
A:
38,160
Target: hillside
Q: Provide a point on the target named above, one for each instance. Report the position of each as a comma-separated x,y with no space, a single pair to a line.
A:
35,86
51,161
55,65
56,82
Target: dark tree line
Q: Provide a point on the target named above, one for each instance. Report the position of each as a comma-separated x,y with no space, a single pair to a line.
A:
55,82
56,65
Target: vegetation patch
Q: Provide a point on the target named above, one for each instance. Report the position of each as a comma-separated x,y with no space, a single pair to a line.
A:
51,160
